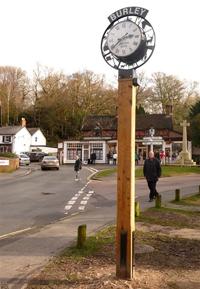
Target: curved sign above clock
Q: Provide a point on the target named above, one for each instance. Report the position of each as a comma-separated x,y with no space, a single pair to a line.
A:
129,40
128,11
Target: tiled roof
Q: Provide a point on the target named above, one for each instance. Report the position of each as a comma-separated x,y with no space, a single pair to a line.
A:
158,121
10,130
143,122
32,130
105,122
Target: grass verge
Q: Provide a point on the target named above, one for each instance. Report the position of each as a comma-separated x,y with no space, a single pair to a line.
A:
171,217
93,267
93,244
104,173
189,201
167,171
66,270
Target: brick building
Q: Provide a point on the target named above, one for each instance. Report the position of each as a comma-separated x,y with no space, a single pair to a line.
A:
99,136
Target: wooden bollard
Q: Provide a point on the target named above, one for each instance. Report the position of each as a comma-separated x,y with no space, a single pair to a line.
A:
158,202
137,209
81,236
177,195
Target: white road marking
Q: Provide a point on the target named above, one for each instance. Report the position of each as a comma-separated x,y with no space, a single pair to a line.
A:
93,172
15,233
67,207
71,202
83,202
93,169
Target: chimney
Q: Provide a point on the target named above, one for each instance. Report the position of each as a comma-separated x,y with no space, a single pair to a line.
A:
23,122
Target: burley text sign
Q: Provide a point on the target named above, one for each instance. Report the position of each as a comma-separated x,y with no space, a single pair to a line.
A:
128,11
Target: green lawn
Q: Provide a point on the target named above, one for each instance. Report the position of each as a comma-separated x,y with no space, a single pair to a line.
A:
167,171
177,218
189,201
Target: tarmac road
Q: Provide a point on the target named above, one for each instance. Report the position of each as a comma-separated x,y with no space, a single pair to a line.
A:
36,199
23,254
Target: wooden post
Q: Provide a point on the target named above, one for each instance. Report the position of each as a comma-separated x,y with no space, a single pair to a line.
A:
177,195
81,236
199,189
125,232
158,202
137,209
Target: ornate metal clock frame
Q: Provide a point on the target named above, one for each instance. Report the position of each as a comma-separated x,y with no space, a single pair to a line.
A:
141,42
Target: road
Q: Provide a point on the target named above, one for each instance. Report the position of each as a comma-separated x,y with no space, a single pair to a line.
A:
50,205
38,199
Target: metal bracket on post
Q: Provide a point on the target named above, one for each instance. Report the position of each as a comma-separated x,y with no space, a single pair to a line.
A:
125,74
135,79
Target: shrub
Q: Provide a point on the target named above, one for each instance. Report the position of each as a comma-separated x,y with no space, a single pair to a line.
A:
8,155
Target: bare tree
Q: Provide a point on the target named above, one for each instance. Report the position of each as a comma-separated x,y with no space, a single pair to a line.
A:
13,92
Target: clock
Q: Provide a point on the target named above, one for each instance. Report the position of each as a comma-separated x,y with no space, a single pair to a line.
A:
129,40
124,39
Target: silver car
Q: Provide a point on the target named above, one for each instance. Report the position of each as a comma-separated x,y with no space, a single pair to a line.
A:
24,160
49,162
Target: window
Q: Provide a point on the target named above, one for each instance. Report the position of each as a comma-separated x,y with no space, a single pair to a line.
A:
6,138
36,139
74,149
74,145
97,148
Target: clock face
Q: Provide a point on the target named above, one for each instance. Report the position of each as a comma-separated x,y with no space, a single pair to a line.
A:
124,38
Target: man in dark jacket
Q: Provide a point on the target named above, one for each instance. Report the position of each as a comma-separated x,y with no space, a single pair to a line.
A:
152,171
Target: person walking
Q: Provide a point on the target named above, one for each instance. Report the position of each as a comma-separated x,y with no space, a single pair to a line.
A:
152,172
114,158
93,158
77,167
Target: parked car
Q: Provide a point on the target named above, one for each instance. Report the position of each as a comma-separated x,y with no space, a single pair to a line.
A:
49,162
37,156
26,153
24,159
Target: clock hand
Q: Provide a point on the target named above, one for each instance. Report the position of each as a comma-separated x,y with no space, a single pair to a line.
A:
119,40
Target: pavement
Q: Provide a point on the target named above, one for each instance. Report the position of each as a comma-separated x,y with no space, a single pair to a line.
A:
32,250
24,254
20,172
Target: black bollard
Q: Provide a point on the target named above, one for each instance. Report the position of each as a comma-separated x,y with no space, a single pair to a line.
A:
158,202
81,236
177,195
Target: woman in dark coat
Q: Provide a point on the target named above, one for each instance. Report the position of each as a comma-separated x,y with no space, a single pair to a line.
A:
77,167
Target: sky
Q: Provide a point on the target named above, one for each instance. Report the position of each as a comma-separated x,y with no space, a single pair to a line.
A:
65,35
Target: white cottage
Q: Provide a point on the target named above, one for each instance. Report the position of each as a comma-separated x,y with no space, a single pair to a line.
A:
37,137
15,139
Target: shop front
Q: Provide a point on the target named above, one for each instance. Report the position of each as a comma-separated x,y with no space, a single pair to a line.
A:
84,149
